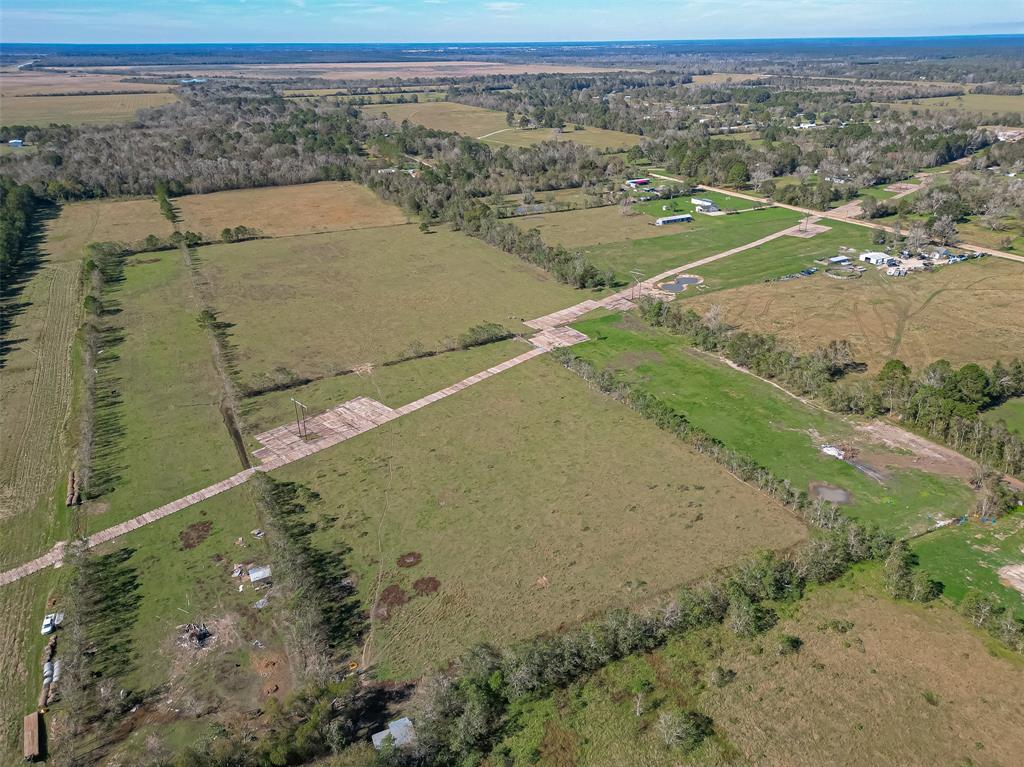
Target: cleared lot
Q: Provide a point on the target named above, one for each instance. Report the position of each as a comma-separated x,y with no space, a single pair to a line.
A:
529,501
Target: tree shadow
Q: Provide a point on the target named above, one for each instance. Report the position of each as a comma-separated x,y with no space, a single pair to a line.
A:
13,284
327,571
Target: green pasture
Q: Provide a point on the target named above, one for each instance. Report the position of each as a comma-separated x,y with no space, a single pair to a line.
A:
773,428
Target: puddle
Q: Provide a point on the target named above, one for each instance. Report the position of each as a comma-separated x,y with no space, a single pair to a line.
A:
829,493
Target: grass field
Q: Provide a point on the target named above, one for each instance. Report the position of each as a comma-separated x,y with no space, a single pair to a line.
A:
162,433
535,502
285,210
394,385
967,312
969,556
305,303
491,125
786,255
902,685
981,103
591,226
704,236
78,110
1011,413
773,428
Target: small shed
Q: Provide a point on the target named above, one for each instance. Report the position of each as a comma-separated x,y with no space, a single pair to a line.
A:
400,731
839,260
633,183
16,143
33,745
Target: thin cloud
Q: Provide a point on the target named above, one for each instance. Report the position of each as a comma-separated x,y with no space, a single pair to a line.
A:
503,7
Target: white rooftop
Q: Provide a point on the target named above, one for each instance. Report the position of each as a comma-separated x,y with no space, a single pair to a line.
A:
401,730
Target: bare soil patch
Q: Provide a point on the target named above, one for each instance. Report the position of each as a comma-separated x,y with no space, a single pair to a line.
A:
830,493
924,454
391,598
1013,576
425,586
195,534
410,560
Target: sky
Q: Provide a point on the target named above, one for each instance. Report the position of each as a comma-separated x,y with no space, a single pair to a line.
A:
363,21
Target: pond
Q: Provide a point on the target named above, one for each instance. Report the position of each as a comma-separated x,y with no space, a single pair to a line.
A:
679,284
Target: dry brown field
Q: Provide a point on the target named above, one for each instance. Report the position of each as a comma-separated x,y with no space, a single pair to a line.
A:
41,82
363,71
80,223
79,109
907,685
968,312
718,78
285,210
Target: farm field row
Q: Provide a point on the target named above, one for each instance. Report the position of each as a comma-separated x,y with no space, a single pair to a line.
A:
529,502
78,110
491,126
874,680
908,318
770,426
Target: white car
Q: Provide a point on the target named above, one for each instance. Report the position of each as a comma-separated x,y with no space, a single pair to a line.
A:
51,622
48,625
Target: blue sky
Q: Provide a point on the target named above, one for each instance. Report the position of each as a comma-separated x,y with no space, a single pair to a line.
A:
162,21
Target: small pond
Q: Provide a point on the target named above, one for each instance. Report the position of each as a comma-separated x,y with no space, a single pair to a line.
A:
678,285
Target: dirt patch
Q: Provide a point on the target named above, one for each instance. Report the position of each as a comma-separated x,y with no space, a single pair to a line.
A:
425,586
195,534
391,598
829,493
410,560
1012,576
272,668
924,454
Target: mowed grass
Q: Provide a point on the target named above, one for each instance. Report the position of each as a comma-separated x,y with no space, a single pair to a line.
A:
278,211
967,312
1011,413
535,502
771,427
704,236
591,226
78,109
969,556
318,304
835,702
778,258
981,103
492,126
161,434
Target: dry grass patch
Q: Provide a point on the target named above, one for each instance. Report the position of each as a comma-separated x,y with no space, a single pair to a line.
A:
533,502
284,210
967,312
81,223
